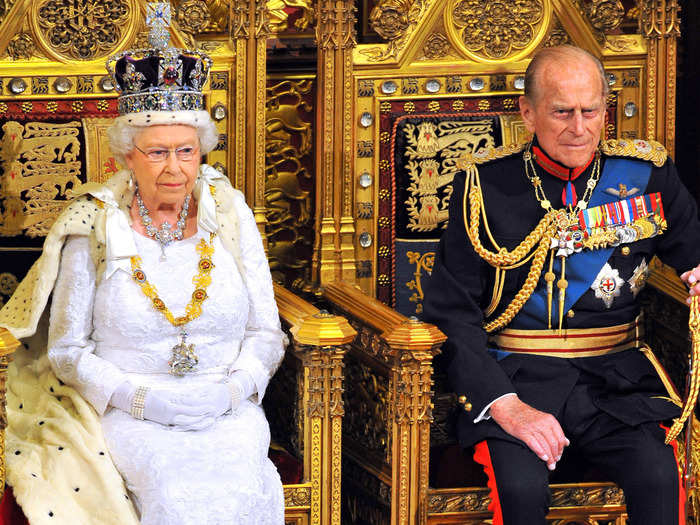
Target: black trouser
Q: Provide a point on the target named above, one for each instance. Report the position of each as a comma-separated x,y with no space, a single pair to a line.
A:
635,458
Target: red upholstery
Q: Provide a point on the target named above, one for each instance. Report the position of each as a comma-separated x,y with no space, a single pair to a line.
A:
10,513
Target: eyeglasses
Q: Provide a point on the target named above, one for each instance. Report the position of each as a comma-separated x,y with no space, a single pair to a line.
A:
183,153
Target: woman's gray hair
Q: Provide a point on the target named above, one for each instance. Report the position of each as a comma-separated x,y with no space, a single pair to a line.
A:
123,131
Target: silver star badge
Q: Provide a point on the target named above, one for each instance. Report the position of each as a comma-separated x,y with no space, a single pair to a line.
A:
607,285
639,277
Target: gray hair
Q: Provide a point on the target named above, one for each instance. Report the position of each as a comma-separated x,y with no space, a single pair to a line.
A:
558,54
121,135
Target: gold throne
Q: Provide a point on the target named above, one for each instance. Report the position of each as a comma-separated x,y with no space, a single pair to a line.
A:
445,79
55,105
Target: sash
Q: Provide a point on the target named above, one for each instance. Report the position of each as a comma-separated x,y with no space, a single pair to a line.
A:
583,267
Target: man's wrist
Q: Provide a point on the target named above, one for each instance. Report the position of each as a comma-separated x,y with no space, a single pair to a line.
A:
485,414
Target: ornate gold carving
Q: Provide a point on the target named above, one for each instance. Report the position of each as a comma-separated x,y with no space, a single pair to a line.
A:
394,20
605,15
476,500
437,46
582,496
557,36
623,43
263,29
288,200
660,18
240,19
192,17
82,29
389,18
423,262
21,47
427,142
297,496
497,31
43,161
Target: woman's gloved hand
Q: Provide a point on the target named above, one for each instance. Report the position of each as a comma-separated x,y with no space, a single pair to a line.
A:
191,409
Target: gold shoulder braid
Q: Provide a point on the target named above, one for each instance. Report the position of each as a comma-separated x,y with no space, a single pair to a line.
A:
184,357
636,148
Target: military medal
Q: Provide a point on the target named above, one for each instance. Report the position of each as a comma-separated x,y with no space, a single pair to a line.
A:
639,277
607,285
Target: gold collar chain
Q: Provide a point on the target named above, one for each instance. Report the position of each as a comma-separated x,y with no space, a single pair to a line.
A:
184,358
531,174
564,219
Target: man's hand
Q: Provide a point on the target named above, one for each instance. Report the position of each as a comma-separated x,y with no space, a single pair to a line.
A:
692,279
540,431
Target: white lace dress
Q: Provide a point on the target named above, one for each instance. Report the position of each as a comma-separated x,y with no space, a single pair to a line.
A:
104,330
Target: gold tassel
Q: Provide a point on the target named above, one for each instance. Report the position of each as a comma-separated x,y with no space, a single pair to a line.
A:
562,283
549,278
693,373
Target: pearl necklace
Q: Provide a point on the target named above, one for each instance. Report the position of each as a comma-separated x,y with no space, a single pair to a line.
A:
164,235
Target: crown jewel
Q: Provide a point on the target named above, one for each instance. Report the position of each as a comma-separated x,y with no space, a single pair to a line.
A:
161,78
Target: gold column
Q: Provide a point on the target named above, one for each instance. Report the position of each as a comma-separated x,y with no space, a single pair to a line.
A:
661,27
250,28
334,252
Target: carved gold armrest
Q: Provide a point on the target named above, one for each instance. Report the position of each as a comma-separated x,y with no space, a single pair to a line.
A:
319,342
389,393
665,279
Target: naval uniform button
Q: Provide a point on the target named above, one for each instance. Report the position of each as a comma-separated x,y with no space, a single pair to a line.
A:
467,407
570,314
625,250
462,399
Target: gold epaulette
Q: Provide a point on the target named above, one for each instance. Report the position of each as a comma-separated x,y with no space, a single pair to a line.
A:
638,149
488,154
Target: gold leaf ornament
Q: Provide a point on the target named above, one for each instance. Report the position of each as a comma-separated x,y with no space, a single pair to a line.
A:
390,19
498,30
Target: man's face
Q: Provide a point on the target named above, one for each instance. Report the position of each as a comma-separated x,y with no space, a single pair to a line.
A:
569,112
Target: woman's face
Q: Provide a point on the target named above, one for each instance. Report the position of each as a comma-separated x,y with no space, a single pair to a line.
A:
165,161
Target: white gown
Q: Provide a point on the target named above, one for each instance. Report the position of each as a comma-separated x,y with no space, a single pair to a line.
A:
104,330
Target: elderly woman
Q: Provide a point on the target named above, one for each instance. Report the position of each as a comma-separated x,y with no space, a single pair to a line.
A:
163,318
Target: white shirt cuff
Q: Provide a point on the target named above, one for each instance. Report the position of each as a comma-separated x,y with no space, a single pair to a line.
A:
484,415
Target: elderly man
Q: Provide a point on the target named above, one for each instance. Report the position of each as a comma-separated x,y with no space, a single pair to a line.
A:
544,342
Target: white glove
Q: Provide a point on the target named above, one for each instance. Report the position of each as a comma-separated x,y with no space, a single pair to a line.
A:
241,385
192,409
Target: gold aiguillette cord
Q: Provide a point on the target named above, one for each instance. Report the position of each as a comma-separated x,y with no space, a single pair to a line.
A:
549,279
562,283
693,375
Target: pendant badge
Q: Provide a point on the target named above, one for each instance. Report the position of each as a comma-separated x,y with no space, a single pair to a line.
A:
184,359
607,285
639,277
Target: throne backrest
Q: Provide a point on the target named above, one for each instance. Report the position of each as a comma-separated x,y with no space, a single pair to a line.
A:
435,91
